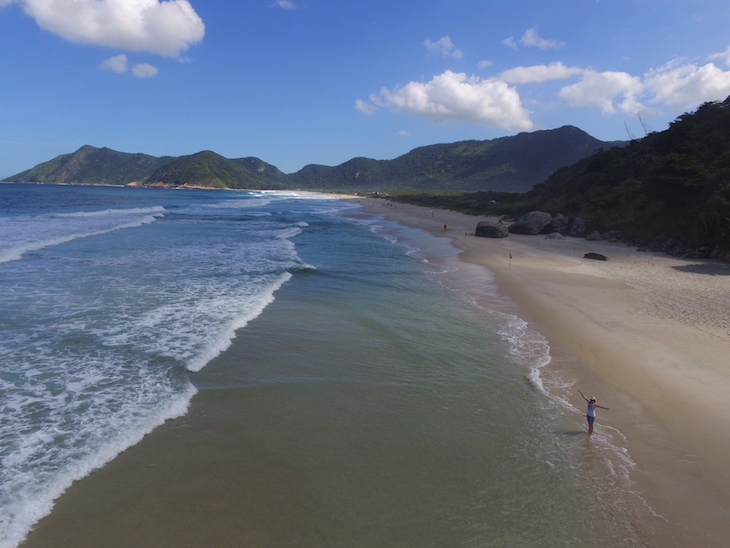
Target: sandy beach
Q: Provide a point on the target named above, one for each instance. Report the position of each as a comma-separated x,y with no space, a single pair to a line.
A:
646,333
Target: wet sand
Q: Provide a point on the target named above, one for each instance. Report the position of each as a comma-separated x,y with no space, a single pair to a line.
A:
645,333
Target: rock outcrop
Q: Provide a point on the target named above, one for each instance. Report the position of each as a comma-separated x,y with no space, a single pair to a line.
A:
488,229
533,222
578,228
559,224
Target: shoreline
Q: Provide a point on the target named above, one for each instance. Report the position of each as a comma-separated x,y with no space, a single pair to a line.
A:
649,331
347,429
672,483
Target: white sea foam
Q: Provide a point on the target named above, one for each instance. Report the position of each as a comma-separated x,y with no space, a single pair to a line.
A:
16,253
30,493
97,338
102,213
527,347
287,233
22,235
239,204
249,310
298,195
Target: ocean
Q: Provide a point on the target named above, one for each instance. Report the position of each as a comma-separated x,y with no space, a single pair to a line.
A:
364,386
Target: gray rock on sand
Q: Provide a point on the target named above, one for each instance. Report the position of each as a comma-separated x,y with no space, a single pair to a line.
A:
533,222
559,224
595,256
488,229
578,228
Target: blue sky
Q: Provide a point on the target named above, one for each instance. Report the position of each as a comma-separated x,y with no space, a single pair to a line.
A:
295,82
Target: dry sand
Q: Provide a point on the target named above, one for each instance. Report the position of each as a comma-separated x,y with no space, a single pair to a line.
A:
646,333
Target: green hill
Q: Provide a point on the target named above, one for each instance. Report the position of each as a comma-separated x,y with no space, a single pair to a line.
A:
90,165
513,163
509,163
676,182
211,170
672,187
273,177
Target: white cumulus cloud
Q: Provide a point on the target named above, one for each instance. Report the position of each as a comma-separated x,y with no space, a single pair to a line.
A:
285,4
144,70
456,96
444,47
365,107
676,84
538,73
166,27
511,43
724,55
496,101
686,86
605,90
118,63
531,38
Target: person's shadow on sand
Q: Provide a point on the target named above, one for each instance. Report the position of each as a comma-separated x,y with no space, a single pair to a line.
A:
567,433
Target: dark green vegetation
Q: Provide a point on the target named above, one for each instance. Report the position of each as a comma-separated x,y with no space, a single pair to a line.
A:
509,163
208,169
671,184
90,165
103,166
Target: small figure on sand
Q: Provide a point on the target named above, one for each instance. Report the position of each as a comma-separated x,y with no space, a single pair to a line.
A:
591,411
445,227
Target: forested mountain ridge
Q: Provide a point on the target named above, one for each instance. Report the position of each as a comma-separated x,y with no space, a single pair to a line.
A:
91,165
513,163
670,186
211,170
674,182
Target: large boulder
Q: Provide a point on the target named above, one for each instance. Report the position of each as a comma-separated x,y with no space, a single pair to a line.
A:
533,222
578,228
488,229
559,224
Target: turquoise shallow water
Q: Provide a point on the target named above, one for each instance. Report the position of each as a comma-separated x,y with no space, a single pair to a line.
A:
372,397
409,414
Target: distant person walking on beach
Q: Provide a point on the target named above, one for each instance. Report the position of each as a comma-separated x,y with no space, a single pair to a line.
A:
591,411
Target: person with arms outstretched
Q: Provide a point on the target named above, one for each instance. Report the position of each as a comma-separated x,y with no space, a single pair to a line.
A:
591,411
